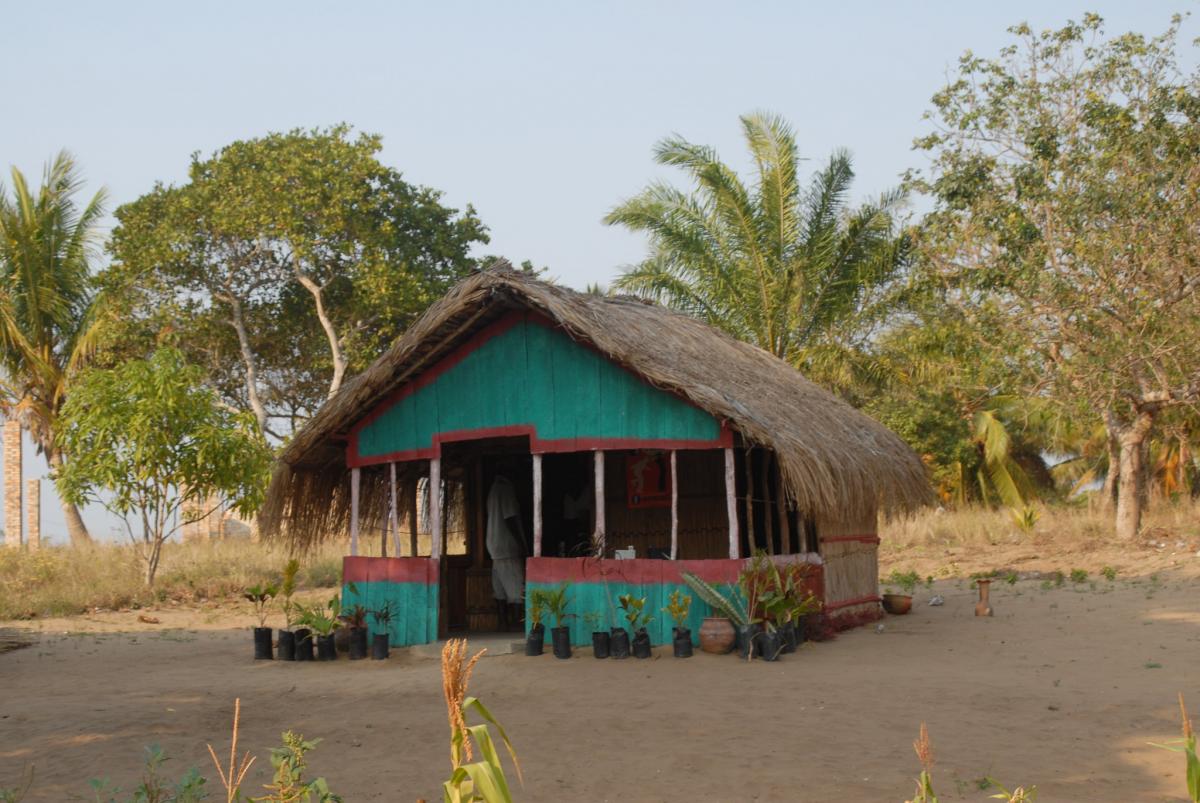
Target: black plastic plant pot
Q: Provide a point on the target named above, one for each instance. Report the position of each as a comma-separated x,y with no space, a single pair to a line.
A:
358,643
787,635
801,632
287,645
380,647
561,636
600,644
326,648
682,643
262,644
747,640
304,645
641,644
535,642
770,644
618,643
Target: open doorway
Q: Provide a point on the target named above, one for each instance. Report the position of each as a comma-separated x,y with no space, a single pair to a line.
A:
468,599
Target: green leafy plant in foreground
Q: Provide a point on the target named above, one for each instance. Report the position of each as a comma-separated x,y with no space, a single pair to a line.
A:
288,785
1187,746
154,788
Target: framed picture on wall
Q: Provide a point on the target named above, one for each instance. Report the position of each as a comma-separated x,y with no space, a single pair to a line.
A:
648,479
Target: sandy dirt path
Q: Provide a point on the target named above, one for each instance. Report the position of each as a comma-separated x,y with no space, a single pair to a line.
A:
1064,688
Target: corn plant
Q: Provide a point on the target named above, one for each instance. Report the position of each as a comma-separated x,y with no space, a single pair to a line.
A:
1187,746
471,780
924,749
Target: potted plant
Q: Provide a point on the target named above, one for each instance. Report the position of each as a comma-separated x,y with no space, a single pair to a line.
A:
323,621
600,638
355,620
637,623
287,638
535,642
718,633
556,603
678,605
757,581
260,595
797,604
380,642
899,603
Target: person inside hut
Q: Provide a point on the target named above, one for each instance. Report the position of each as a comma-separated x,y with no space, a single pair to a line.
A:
506,544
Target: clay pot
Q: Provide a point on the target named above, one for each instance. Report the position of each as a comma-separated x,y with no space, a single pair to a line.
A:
897,604
983,608
717,635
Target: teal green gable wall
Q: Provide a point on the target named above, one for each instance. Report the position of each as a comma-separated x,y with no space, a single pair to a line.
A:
530,375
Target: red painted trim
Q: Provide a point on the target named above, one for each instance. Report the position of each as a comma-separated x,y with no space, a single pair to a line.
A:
360,569
536,445
640,571
846,603
837,539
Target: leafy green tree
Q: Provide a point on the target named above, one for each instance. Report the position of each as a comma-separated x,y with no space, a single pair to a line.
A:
793,269
1065,177
147,437
285,262
48,307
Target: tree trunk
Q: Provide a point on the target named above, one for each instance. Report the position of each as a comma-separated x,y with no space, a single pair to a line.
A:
77,531
1108,494
1131,476
335,346
238,321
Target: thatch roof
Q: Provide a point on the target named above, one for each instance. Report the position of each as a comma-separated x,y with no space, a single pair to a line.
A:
835,461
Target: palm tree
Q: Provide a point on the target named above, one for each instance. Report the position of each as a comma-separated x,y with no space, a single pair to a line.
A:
47,302
793,270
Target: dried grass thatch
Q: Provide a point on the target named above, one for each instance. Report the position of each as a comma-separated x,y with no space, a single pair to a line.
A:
835,460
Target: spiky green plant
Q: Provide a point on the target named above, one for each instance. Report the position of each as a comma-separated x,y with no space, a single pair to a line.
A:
728,606
1187,746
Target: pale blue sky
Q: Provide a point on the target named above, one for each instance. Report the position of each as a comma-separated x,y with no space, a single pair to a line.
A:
542,115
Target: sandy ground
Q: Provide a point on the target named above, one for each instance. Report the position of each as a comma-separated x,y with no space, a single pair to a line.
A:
1063,688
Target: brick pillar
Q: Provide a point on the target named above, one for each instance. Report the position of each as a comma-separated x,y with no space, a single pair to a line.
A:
12,484
33,512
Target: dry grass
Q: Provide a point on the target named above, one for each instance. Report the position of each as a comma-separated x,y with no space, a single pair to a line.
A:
956,543
62,581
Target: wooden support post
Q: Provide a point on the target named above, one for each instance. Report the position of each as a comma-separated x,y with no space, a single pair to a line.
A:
785,526
764,481
674,508
537,505
435,508
413,499
748,464
393,506
354,480
731,503
598,500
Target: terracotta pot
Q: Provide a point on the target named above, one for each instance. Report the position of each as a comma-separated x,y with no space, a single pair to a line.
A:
897,604
983,607
717,635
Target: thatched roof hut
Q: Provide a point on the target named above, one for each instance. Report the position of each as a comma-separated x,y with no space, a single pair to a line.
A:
834,462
